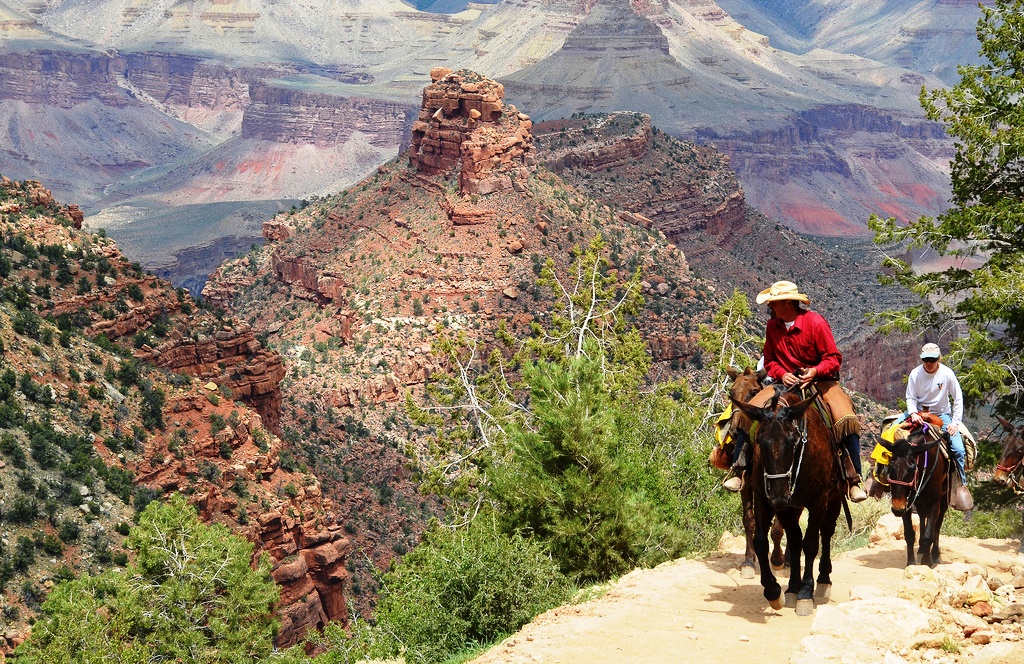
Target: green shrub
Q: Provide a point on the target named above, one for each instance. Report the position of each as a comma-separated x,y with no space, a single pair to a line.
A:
607,483
457,588
218,612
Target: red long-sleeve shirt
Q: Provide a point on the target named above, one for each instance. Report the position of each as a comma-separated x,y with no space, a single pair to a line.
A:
807,344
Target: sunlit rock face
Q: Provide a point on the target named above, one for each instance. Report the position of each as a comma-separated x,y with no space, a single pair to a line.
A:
464,124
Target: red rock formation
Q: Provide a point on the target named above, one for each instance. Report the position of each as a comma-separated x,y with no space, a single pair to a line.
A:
321,285
233,358
76,215
276,230
465,125
295,529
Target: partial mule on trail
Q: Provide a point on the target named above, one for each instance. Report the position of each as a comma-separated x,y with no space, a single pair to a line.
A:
1011,464
745,385
795,466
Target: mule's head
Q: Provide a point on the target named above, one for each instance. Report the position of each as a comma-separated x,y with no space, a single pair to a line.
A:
777,436
745,384
904,472
1013,453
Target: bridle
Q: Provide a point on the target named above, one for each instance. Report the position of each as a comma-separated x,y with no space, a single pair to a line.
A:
1013,473
798,458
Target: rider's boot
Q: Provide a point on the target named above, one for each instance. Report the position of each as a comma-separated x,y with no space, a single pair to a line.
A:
878,481
739,464
851,444
962,499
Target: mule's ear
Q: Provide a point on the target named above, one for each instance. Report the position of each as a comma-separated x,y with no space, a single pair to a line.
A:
886,445
799,408
732,372
1006,424
753,412
761,375
925,446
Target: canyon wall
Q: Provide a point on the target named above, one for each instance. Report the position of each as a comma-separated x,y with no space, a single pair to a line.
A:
61,78
801,148
290,115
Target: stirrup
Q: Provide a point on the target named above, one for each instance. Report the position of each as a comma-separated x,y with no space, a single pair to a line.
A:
734,483
962,500
856,494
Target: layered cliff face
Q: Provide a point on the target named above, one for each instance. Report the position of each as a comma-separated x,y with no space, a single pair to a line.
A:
680,187
155,393
288,115
61,79
613,59
804,174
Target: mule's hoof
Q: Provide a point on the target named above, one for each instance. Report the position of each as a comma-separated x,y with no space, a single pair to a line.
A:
823,592
776,603
747,572
790,600
804,607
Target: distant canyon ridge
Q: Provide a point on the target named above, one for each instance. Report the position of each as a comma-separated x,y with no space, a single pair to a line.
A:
182,129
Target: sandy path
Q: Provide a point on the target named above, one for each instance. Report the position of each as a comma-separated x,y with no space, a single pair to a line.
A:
703,611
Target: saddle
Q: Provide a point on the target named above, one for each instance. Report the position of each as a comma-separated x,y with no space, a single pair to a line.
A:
893,430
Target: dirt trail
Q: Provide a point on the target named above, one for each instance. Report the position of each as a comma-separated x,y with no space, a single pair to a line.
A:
703,611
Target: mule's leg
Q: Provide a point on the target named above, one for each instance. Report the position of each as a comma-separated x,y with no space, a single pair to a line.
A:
908,535
939,518
811,542
762,518
927,533
823,591
790,520
778,553
747,505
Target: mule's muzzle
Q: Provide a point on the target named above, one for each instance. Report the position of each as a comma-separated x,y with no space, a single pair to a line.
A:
899,506
1001,477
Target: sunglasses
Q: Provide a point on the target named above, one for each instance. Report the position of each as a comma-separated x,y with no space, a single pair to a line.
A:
929,360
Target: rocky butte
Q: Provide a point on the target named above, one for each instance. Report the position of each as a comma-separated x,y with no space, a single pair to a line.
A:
464,124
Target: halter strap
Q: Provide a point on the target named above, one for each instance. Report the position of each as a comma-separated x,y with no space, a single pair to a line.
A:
798,459
921,479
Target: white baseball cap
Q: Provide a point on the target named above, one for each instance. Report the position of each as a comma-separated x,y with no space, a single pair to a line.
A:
930,352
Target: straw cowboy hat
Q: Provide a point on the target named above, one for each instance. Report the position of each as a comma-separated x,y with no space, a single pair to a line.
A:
782,290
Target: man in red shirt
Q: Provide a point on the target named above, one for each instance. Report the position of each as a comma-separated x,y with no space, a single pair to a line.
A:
799,349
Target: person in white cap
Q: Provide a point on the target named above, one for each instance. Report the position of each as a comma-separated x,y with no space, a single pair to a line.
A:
931,387
799,349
